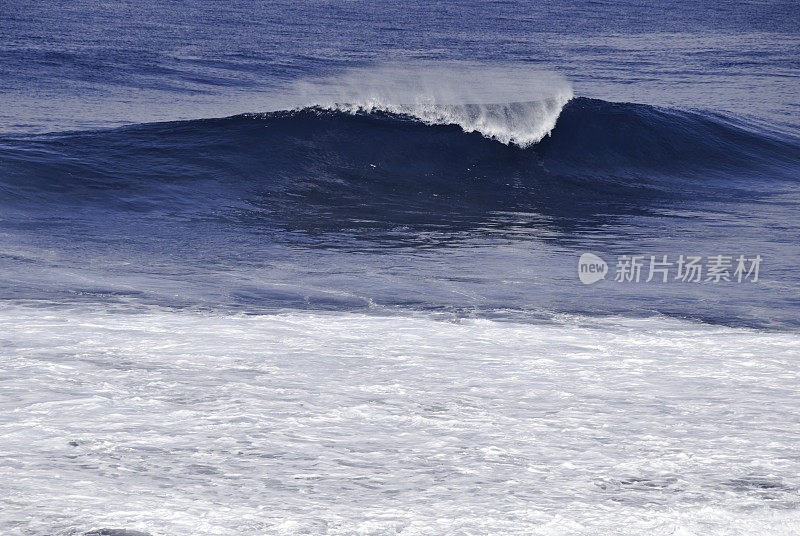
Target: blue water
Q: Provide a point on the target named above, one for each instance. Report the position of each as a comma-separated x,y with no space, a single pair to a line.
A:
438,160
682,138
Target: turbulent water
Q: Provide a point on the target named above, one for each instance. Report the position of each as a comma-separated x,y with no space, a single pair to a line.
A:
313,269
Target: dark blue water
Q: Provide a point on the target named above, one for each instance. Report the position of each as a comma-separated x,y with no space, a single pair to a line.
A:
168,153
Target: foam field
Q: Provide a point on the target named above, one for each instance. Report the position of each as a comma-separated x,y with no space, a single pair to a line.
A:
177,423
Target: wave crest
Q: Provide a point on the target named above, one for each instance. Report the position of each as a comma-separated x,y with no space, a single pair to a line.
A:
513,106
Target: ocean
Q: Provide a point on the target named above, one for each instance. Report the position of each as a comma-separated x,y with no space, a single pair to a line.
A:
370,268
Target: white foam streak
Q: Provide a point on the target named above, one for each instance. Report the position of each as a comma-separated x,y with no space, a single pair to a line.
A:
513,105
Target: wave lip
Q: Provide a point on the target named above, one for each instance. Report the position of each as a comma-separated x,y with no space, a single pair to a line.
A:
513,106
517,123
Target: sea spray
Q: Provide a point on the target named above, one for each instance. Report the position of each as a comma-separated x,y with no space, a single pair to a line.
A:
513,105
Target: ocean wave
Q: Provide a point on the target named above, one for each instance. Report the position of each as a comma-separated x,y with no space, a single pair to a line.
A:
315,163
252,210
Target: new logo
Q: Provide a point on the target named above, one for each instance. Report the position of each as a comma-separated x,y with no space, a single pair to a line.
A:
591,268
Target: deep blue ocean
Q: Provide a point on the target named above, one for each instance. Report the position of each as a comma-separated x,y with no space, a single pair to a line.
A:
164,153
257,186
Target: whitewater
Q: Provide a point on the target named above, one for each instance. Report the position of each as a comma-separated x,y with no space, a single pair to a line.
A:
511,104
331,423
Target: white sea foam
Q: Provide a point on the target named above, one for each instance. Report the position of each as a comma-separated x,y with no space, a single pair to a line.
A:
513,105
179,424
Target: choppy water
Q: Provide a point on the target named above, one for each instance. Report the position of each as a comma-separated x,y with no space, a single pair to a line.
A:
312,269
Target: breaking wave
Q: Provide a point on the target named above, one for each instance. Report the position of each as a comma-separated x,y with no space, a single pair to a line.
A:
377,158
510,105
296,188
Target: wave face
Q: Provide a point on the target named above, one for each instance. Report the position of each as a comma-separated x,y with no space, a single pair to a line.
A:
326,183
379,158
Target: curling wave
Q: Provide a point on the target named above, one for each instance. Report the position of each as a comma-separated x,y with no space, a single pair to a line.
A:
317,165
516,123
